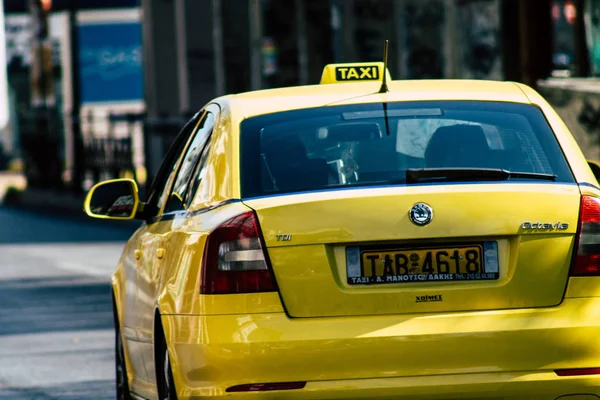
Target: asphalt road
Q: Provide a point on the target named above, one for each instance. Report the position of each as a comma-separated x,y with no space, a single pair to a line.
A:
56,330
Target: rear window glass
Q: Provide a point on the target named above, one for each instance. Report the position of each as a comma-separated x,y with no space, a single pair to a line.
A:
374,144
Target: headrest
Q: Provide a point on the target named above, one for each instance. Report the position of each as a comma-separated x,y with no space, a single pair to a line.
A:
451,144
288,147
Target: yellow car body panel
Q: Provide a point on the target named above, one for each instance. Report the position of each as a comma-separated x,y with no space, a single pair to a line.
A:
292,98
516,332
482,355
319,246
126,314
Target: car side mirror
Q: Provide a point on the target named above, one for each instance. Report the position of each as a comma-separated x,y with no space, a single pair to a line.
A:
116,199
595,166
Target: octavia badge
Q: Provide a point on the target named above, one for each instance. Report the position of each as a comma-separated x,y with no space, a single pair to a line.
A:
420,214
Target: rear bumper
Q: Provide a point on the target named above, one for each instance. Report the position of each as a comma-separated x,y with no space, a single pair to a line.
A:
509,354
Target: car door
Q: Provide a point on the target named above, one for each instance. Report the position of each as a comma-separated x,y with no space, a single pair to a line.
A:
156,244
144,253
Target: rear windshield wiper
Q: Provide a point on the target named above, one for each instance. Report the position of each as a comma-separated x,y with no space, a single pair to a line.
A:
414,175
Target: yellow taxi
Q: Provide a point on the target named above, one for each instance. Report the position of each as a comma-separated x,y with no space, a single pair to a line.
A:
362,238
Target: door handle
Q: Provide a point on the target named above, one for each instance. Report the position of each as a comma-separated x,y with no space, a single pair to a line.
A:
137,254
160,253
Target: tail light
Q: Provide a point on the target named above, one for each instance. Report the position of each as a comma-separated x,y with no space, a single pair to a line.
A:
234,260
587,258
577,371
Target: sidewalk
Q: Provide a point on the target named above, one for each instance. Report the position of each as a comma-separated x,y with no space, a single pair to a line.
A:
49,202
35,199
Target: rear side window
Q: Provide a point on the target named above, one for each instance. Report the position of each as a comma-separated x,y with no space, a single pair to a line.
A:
374,144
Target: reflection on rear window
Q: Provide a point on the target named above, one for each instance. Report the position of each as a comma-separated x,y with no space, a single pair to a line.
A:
368,145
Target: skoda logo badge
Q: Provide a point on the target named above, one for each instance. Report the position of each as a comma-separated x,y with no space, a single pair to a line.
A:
420,214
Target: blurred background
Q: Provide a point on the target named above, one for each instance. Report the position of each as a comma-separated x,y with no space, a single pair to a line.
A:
97,89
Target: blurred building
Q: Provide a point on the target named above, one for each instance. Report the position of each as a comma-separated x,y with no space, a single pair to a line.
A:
238,45
573,87
182,53
68,68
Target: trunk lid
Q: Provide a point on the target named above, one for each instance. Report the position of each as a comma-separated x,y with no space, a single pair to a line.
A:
512,245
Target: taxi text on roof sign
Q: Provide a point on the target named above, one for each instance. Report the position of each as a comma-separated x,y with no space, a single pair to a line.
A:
355,72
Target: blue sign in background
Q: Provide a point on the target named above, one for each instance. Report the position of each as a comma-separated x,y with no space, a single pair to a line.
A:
110,62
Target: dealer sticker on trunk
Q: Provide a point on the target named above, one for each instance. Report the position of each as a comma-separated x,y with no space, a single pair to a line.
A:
464,262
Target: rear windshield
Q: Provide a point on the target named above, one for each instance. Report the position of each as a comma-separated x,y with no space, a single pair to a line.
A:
374,144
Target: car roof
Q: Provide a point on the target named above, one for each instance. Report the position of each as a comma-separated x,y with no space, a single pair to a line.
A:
268,101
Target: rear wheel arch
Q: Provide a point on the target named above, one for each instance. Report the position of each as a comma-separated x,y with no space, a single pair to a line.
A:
158,333
115,310
116,301
159,343
160,348
121,361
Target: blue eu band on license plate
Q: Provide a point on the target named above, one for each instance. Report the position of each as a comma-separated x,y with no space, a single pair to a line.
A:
468,262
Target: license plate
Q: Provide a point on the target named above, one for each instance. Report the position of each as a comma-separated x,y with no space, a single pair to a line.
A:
476,262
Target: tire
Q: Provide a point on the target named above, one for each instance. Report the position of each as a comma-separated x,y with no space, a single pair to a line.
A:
122,383
165,382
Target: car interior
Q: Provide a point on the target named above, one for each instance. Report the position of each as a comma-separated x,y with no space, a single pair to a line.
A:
360,152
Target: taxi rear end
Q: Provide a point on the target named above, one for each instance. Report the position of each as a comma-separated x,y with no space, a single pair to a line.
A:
401,249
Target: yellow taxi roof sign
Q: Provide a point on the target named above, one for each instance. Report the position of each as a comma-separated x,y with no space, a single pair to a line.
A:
355,72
